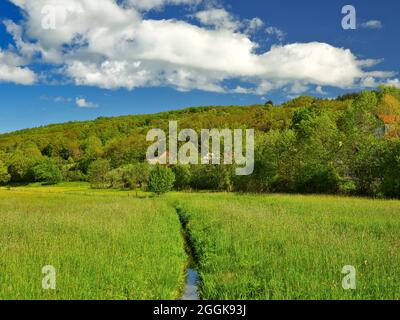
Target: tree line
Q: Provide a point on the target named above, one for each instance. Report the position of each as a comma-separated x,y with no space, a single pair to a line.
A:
348,145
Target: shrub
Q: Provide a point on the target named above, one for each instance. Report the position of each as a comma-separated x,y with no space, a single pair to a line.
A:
46,171
129,177
20,168
4,175
317,178
115,179
203,178
183,176
137,175
161,180
348,187
74,175
368,164
97,174
391,179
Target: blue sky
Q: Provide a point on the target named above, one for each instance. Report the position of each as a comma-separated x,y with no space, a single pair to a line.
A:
145,56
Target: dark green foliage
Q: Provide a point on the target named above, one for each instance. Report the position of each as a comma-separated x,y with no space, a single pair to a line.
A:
317,178
46,171
161,180
20,168
391,178
97,174
183,176
367,165
203,178
5,177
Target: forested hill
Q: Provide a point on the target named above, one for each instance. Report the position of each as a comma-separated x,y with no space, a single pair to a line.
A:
128,133
122,129
292,141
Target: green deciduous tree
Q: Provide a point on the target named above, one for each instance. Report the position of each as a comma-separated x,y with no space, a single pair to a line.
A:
20,167
46,171
183,176
97,174
391,178
161,180
4,175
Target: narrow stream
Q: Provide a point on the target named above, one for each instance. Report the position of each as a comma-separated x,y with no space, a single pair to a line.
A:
191,288
191,291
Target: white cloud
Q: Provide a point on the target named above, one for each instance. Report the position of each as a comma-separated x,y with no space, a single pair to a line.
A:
218,18
12,69
394,83
126,50
278,33
298,88
83,103
320,90
372,24
242,90
371,82
254,24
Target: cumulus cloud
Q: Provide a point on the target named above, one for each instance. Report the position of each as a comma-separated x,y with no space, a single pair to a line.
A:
218,18
394,83
12,69
371,82
372,24
126,50
83,103
298,88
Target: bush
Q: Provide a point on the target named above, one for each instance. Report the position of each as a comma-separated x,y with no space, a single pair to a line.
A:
137,175
368,164
203,178
391,180
74,175
348,188
46,171
161,180
97,174
4,175
20,168
130,176
213,177
115,179
317,178
183,177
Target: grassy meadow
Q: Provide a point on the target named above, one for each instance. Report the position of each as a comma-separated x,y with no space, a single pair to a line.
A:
122,245
103,246
294,247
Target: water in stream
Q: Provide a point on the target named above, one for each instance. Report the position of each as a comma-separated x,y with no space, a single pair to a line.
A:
191,288
191,291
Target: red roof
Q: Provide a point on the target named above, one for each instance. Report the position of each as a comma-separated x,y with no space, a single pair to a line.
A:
388,119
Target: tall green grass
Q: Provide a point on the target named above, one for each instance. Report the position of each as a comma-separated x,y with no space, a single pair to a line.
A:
293,247
112,245
103,247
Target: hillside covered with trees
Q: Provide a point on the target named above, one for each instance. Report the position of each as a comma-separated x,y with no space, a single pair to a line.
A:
349,145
